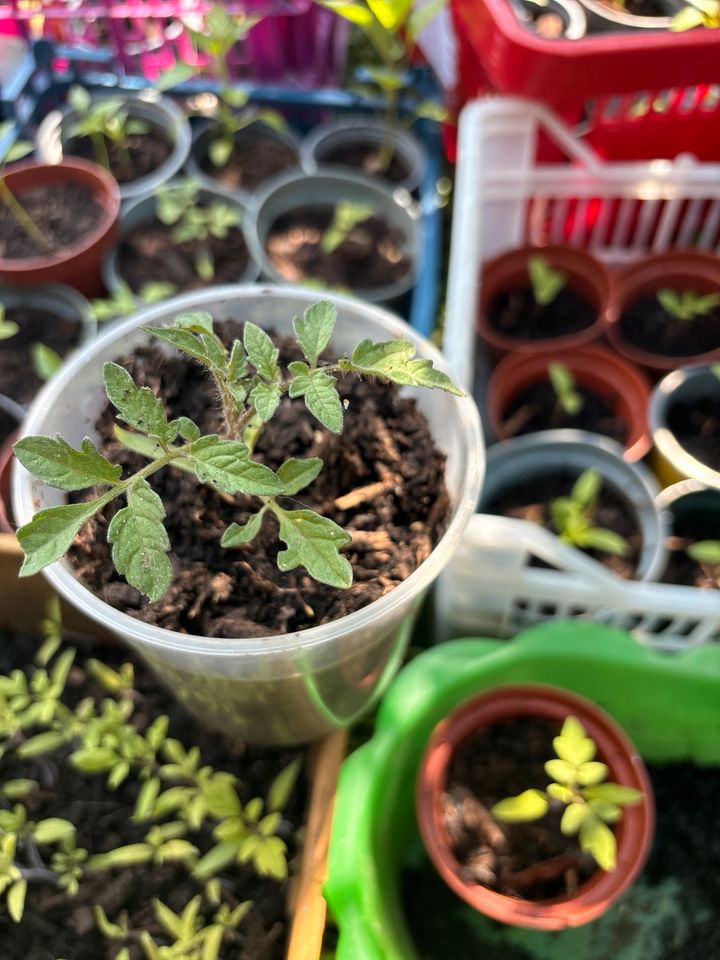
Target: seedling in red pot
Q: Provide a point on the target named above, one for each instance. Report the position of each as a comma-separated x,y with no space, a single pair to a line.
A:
546,282
573,518
563,383
686,305
17,151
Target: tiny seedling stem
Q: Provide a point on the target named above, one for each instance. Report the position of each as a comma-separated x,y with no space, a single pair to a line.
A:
21,216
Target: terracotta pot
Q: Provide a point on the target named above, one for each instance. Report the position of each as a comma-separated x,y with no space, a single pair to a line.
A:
683,270
586,276
6,460
625,387
79,264
634,832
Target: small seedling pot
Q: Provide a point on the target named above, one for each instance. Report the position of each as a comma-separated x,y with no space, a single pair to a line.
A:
161,112
143,210
321,142
603,17
671,461
540,454
586,276
571,13
626,388
633,833
685,270
78,265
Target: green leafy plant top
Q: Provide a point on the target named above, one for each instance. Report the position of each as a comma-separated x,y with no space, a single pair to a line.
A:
705,552
579,784
698,13
346,217
563,383
250,383
123,302
573,518
546,283
687,305
105,121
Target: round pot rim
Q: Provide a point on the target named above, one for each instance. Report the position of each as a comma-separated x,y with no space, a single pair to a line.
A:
669,496
634,832
60,577
606,12
109,214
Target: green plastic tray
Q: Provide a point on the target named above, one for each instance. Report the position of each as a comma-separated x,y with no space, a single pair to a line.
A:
668,703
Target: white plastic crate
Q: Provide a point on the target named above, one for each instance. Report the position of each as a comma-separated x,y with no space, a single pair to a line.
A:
503,199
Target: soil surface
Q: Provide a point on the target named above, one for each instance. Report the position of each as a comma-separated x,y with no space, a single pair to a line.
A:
147,254
147,151
254,159
533,861
514,313
371,255
383,480
537,408
366,158
63,216
696,426
532,499
54,926
648,922
17,373
681,568
646,324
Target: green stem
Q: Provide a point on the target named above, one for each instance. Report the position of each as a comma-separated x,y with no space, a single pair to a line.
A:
100,150
21,216
388,145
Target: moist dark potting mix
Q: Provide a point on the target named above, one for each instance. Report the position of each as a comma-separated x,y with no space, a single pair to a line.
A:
681,568
371,255
646,324
537,408
147,254
532,500
63,215
366,157
382,480
145,153
55,925
254,159
17,372
514,313
696,426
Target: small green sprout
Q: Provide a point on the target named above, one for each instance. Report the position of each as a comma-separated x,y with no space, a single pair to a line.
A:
107,124
546,282
705,552
17,151
572,517
8,329
123,302
698,13
715,370
46,361
563,383
346,217
687,305
579,784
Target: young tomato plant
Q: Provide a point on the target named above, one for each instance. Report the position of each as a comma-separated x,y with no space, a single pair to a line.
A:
573,518
250,383
16,151
579,784
568,396
687,305
346,217
107,124
546,283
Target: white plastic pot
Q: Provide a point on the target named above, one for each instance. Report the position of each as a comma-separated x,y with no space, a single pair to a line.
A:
276,689
161,112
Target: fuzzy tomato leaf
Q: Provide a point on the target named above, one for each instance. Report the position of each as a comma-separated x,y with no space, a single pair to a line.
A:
237,535
225,464
395,360
58,464
49,534
314,330
313,542
140,542
261,351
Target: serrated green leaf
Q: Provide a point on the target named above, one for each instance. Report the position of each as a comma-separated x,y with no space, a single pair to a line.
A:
221,797
137,406
265,397
283,785
561,772
140,542
225,464
314,329
185,341
313,542
295,474
525,807
395,360
41,744
16,900
261,351
237,534
58,464
53,830
598,840
49,534
319,391
546,282
46,361
269,858
573,817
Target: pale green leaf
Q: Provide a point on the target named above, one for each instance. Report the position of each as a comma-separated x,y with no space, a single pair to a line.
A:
395,360
17,789
269,858
613,793
572,818
57,463
319,391
213,942
128,856
559,792
313,542
525,807
607,541
138,407
265,397
598,840
41,744
215,860
295,474
591,773
573,744
283,785
586,488
178,73
53,830
219,150
94,759
221,797
705,551
225,464
16,900
118,774
140,542
261,351
176,851
111,931
546,282
609,812
237,534
49,534
46,361
561,771
314,329
148,794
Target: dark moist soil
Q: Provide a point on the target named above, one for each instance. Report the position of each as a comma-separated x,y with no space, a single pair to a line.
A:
383,480
680,567
54,926
696,426
64,215
537,408
514,313
647,325
17,375
371,254
148,151
254,159
365,157
685,846
148,255
531,500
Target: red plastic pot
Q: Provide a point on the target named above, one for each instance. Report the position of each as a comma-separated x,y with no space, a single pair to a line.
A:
626,388
586,276
681,270
79,264
6,460
633,833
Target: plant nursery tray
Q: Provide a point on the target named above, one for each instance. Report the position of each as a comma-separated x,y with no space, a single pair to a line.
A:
669,706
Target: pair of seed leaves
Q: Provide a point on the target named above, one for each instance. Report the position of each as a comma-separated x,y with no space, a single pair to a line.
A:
139,541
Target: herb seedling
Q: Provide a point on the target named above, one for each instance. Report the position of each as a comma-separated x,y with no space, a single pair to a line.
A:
107,124
123,303
178,207
698,13
45,360
346,217
16,151
705,552
250,384
687,305
8,329
579,784
572,517
546,283
563,383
